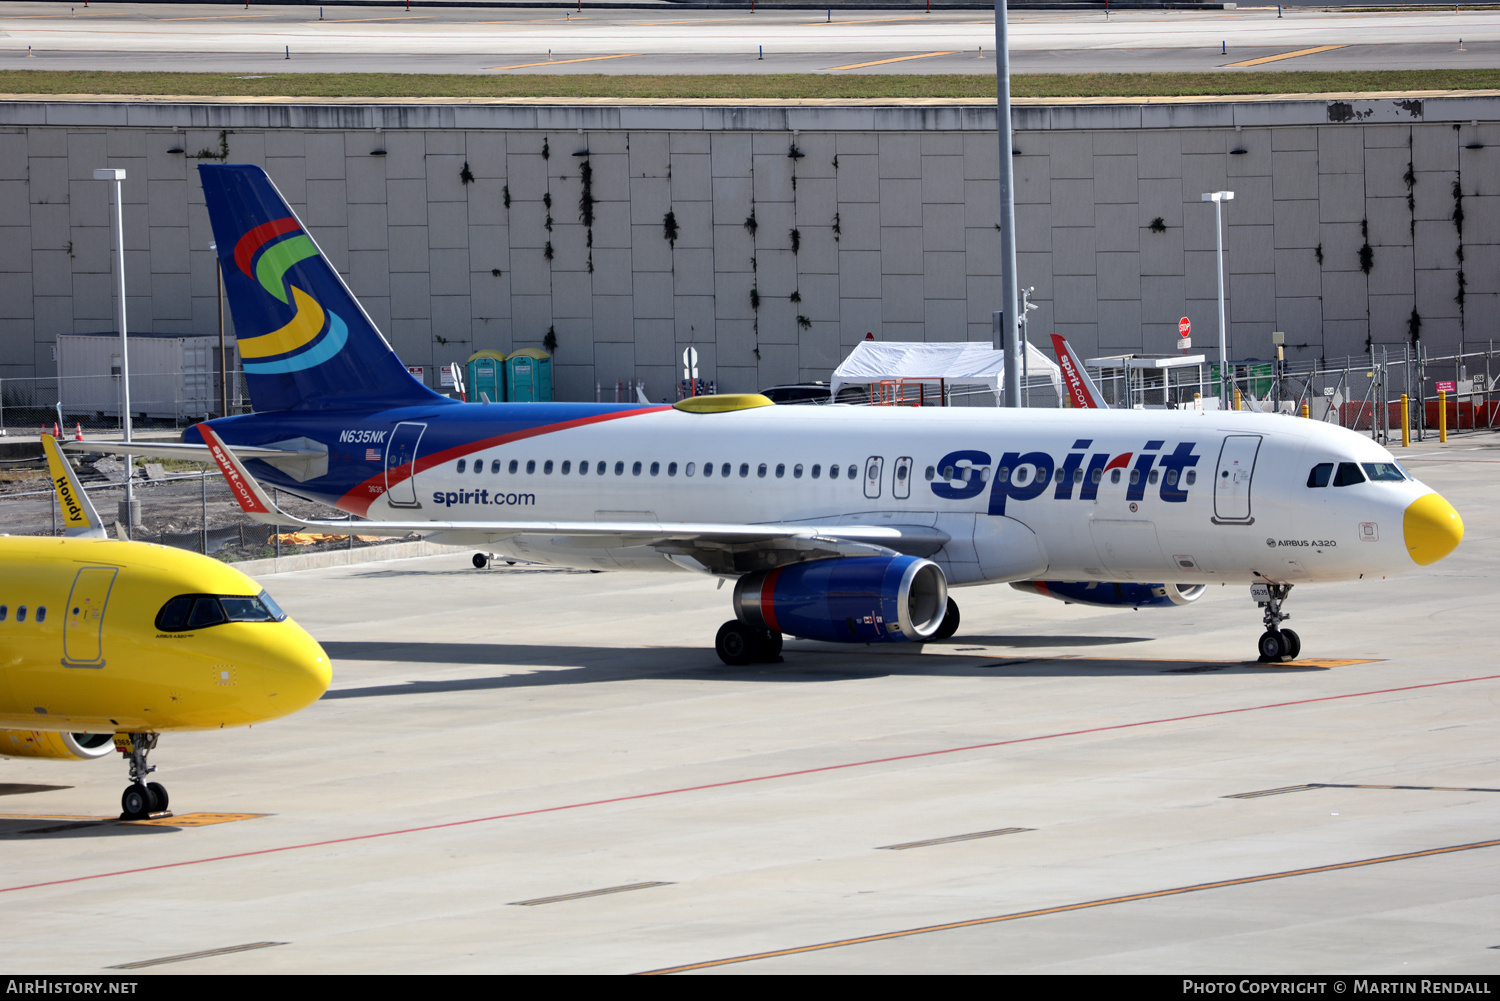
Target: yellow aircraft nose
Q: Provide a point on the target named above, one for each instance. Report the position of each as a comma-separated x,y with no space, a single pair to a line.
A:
297,671
1432,529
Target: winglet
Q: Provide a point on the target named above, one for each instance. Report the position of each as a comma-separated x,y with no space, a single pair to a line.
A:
1081,388
251,497
79,517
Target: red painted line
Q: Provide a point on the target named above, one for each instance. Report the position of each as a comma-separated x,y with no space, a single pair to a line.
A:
358,500
745,781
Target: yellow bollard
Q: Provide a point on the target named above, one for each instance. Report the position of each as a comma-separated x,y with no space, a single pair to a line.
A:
1442,415
1305,411
1239,401
1405,422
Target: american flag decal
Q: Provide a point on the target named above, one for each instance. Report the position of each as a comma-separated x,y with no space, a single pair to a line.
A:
372,455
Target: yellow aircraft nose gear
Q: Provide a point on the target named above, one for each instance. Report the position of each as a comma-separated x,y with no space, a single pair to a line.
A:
1432,529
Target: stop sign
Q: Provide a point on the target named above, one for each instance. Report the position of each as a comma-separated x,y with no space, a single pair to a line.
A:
1184,327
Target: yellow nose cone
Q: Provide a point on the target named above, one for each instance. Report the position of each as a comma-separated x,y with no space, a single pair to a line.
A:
297,670
1432,529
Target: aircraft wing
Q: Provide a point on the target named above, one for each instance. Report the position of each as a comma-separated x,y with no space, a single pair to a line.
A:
78,514
300,458
709,546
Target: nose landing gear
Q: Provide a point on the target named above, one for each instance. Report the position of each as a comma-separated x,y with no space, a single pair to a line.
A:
141,799
1276,645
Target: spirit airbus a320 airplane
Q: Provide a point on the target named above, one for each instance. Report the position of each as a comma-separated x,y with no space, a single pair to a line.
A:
846,524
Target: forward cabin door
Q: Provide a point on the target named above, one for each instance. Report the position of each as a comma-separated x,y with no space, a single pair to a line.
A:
84,623
401,451
1232,479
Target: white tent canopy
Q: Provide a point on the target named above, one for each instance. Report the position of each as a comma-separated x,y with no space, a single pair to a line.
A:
960,364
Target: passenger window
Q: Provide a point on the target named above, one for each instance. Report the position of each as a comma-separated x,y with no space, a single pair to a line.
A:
797,471
495,467
513,466
1192,477
1320,475
567,467
851,474
547,467
461,463
1114,476
21,613
635,469
833,472
1003,474
671,469
4,611
620,467
724,469
583,468
780,470
655,468
1155,475
744,470
931,472
816,470
1135,476
1098,476
1171,477
1077,476
530,466
41,614
689,470
1348,475
599,468
708,469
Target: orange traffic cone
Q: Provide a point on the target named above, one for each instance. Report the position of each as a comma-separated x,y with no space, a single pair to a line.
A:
78,431
56,430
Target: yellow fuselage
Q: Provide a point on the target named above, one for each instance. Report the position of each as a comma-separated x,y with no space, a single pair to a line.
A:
81,651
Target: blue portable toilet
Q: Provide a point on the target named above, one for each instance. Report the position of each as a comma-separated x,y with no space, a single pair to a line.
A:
486,370
528,376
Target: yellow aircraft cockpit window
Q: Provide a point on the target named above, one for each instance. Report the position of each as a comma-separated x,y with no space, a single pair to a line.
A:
199,611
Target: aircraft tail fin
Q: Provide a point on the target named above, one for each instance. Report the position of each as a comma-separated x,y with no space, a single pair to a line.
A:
305,342
79,518
1081,388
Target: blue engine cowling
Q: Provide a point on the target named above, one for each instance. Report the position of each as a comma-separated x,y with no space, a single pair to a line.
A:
850,599
1112,594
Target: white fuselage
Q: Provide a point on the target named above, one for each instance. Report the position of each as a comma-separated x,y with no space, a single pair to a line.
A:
1179,496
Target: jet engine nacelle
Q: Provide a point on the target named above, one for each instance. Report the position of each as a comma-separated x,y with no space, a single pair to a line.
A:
1111,594
45,744
851,599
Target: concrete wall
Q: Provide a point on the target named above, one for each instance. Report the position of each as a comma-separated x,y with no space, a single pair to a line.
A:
895,207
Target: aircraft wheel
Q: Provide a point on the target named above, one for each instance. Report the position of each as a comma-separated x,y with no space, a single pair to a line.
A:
737,644
770,647
481,561
949,625
135,802
159,796
1271,646
1291,644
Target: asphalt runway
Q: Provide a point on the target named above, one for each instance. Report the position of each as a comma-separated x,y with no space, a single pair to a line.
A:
667,40
527,770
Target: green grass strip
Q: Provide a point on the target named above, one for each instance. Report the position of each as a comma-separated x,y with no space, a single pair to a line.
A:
786,86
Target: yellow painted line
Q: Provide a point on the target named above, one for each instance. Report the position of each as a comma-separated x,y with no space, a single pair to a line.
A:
1065,908
869,20
193,819
882,62
559,62
357,20
1287,55
215,17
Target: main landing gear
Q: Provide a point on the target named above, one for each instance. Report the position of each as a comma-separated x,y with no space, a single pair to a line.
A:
739,644
1276,644
141,799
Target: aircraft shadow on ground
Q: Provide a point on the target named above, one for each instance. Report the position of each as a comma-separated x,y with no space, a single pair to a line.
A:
21,788
53,828
542,666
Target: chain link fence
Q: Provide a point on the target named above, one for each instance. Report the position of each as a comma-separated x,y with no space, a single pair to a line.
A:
92,402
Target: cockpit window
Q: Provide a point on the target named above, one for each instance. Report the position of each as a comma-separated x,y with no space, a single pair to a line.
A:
1384,471
1320,475
1348,475
199,611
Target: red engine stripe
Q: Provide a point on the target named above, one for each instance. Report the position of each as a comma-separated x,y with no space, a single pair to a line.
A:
768,600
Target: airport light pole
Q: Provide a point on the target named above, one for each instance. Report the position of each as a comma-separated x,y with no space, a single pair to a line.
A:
130,511
1219,198
1007,328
